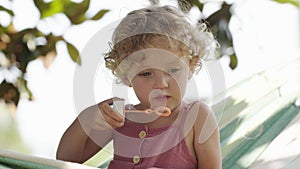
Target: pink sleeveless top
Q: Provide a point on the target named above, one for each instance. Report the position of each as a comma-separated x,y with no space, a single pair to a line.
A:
138,147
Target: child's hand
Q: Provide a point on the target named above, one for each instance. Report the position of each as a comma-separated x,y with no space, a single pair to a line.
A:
101,116
111,116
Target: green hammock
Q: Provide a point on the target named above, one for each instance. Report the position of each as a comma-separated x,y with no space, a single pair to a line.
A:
13,160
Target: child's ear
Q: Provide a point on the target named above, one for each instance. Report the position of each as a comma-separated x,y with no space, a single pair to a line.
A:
194,62
127,82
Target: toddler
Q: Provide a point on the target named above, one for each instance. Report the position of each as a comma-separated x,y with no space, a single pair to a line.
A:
155,50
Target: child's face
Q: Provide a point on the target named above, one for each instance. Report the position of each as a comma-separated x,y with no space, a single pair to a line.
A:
158,77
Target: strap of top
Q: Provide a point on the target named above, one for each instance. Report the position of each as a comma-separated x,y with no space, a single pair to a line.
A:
185,112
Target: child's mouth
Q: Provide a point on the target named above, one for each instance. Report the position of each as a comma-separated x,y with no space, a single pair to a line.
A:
162,98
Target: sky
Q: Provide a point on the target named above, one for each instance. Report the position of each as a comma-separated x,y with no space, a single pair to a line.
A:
264,32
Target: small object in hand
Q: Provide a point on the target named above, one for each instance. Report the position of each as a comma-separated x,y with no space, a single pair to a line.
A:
161,111
118,106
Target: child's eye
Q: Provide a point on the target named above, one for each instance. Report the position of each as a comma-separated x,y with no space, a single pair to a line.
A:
145,74
173,70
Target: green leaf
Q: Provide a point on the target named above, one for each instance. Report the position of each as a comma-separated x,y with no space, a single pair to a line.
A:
50,8
293,2
23,88
76,11
78,19
56,6
10,12
100,14
198,4
222,14
41,5
233,61
73,53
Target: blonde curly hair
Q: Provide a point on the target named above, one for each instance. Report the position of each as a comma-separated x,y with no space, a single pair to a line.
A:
166,25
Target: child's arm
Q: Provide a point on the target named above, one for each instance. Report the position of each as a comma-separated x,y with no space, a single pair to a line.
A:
90,131
207,139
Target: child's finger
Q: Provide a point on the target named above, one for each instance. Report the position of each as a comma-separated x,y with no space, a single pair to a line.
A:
109,111
111,100
108,101
109,115
111,121
107,123
118,106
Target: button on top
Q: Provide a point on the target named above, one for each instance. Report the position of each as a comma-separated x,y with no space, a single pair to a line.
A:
136,159
142,134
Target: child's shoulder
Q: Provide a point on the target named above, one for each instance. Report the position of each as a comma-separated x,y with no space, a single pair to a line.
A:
199,106
200,112
205,122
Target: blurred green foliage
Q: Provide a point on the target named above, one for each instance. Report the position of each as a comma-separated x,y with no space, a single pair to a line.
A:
18,48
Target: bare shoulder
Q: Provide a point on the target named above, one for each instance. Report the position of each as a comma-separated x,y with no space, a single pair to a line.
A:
200,111
206,137
203,108
205,121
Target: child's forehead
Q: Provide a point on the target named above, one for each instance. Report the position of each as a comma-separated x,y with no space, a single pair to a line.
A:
154,58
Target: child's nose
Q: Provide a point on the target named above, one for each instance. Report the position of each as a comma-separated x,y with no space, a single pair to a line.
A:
161,80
